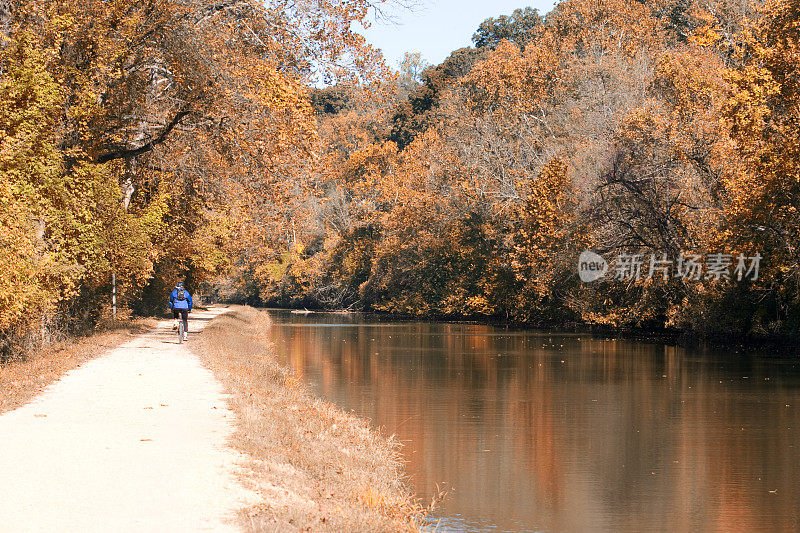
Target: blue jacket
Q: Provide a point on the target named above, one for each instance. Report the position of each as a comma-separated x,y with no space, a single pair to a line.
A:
174,303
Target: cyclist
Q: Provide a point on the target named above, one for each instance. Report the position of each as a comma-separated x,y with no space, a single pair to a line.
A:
180,301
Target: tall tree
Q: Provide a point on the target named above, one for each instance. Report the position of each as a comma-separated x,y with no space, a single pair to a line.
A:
519,28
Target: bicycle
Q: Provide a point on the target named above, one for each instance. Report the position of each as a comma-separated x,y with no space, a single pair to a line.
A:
180,302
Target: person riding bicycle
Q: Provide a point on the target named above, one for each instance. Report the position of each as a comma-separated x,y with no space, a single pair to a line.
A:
180,301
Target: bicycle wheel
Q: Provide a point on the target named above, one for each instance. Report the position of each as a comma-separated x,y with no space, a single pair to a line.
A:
180,330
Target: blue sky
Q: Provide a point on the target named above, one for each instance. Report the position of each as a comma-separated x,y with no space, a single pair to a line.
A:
437,27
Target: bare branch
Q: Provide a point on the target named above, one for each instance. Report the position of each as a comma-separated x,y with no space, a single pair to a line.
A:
121,153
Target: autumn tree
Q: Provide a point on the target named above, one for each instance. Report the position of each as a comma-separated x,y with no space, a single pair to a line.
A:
29,162
546,240
129,132
519,28
414,115
763,114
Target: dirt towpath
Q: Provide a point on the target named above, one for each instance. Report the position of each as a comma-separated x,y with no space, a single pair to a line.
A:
135,440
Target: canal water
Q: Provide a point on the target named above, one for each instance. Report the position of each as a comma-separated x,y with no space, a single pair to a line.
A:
532,431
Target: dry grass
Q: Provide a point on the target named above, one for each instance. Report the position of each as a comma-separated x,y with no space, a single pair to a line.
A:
315,467
23,378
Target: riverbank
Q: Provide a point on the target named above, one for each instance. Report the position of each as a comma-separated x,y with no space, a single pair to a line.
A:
314,466
24,378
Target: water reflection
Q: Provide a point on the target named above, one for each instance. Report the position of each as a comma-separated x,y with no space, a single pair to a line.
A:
532,431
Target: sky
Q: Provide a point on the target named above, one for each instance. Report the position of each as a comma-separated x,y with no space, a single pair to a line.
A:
437,27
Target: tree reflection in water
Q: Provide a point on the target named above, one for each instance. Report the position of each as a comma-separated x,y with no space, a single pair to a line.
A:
564,432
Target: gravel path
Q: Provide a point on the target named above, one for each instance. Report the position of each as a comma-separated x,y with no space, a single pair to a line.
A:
132,441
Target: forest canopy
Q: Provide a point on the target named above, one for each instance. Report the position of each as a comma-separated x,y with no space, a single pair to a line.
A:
189,139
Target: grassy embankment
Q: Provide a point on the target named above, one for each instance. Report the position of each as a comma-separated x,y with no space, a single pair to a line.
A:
23,378
314,466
